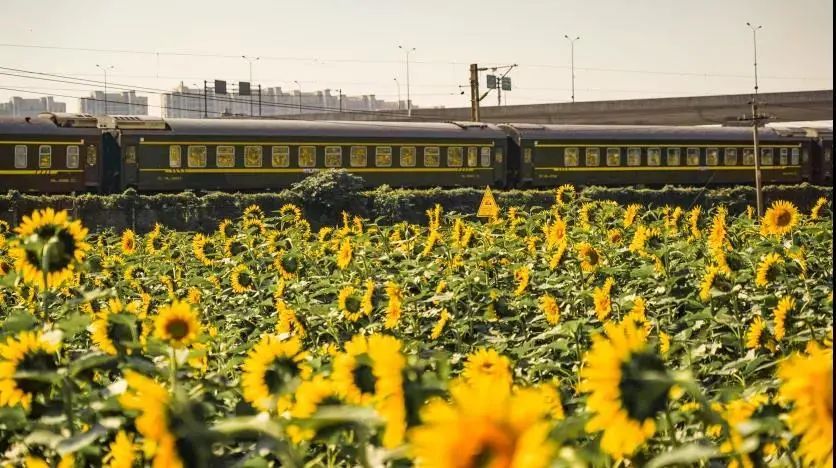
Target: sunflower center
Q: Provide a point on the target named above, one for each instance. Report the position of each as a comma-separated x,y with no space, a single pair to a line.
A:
157,243
35,362
236,248
364,377
118,330
177,328
352,304
279,375
244,279
290,264
592,257
129,244
60,249
783,218
495,449
644,391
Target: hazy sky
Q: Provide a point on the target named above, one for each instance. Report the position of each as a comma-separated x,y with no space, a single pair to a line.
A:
628,49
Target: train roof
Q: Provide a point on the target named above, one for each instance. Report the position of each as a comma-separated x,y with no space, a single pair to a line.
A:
644,132
297,128
40,126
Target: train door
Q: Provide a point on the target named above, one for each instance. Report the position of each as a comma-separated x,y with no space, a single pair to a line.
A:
111,164
512,162
130,162
92,165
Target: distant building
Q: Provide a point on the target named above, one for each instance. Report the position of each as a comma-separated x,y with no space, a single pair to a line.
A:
20,107
188,102
125,103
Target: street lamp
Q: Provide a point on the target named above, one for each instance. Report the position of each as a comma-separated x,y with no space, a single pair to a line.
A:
340,94
300,95
755,119
572,47
408,101
398,84
251,60
105,69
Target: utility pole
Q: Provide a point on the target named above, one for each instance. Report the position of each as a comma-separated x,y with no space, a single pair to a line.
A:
205,108
259,100
251,60
105,69
572,48
408,100
399,92
340,93
300,95
756,118
474,92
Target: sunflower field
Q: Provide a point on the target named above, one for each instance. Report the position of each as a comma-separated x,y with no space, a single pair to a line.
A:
577,334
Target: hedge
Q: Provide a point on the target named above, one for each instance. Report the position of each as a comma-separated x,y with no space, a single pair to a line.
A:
324,195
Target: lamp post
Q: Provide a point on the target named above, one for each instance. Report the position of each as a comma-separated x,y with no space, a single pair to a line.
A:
300,95
105,69
408,101
755,120
251,60
340,95
572,48
399,92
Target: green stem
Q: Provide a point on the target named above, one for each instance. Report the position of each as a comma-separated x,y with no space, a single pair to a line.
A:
68,404
671,427
172,368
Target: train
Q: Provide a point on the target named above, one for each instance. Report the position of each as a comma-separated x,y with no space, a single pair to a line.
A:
80,153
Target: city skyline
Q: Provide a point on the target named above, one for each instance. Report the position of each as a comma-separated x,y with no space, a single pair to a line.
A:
707,48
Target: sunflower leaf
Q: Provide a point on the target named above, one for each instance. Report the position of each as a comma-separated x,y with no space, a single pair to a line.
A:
684,455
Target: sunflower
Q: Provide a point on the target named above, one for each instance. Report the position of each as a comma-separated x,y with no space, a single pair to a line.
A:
152,401
28,351
48,248
389,363
557,256
521,277
754,336
277,242
122,452
484,425
554,232
588,256
432,238
128,242
807,385
233,247
394,307
780,218
367,303
550,309
622,376
711,273
583,215
286,263
766,269
177,324
785,305
694,222
664,343
630,214
291,211
288,321
814,213
443,318
114,325
272,371
344,255
614,236
226,229
672,220
601,299
202,248
154,243
563,189
241,279
349,303
353,372
252,212
487,364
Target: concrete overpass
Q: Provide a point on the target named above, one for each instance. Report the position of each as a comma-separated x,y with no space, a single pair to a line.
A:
698,110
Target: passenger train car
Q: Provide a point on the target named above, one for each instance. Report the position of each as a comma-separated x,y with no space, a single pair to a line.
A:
64,153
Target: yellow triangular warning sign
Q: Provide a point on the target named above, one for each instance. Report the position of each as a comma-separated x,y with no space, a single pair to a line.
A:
488,208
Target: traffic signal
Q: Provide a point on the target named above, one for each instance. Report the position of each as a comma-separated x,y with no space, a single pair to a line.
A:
506,83
491,81
243,88
220,87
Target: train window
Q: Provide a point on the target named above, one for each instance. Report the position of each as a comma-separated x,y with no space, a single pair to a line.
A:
748,157
712,156
20,156
44,156
692,156
307,156
794,156
225,156
570,157
593,156
730,157
486,156
634,156
91,155
455,156
280,156
130,155
333,156
766,157
613,156
673,157
498,157
432,156
173,156
783,157
196,156
472,156
527,156
73,156
253,156
654,157
383,156
407,156
358,156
